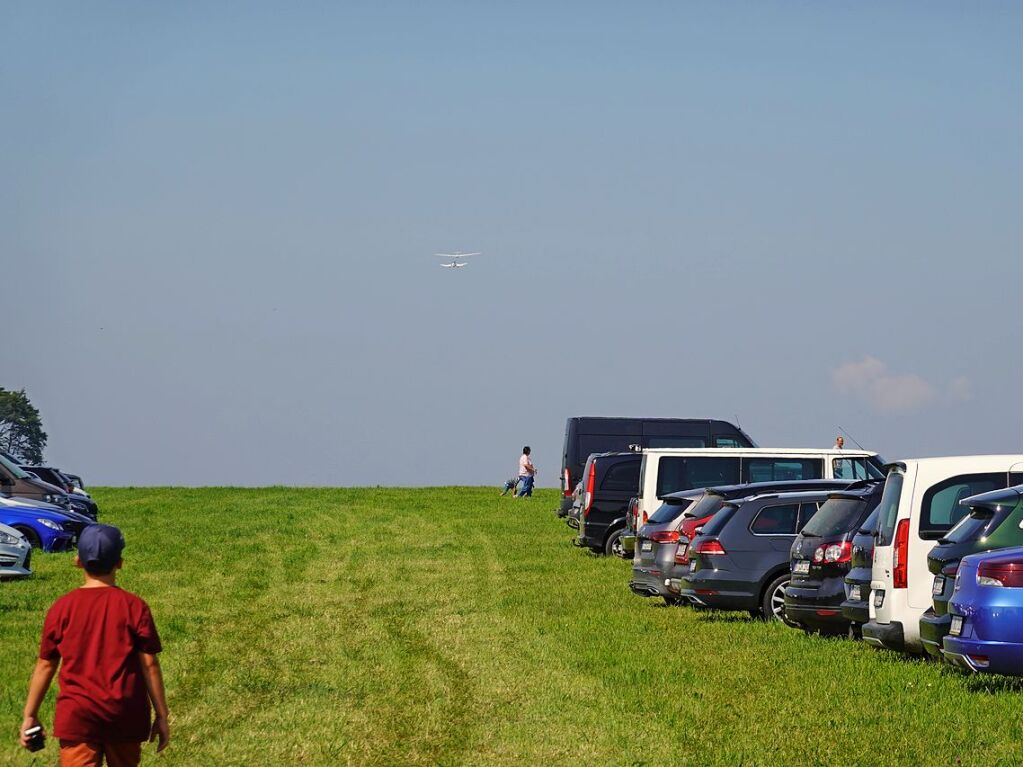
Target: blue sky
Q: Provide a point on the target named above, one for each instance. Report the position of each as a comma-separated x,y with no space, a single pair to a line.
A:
216,228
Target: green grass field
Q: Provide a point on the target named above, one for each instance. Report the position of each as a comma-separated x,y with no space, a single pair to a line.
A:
452,626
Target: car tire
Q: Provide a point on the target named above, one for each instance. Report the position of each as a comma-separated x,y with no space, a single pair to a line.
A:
613,544
772,602
30,535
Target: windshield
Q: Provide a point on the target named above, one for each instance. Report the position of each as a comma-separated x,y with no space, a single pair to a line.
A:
14,469
978,524
719,520
888,509
670,511
837,517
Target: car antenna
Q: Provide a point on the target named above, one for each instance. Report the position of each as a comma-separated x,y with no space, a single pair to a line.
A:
850,436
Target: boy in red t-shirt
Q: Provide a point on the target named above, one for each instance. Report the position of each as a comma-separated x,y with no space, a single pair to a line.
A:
104,641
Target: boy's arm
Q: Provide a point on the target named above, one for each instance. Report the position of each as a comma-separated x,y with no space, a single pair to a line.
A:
154,683
37,688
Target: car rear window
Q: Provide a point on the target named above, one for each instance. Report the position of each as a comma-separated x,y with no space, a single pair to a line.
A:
670,510
719,520
705,506
622,476
836,517
888,509
676,473
781,519
980,522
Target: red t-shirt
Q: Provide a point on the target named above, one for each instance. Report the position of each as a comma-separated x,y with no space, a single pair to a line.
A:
96,634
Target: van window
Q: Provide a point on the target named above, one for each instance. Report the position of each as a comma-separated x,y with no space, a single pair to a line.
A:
855,468
777,469
623,476
888,508
776,520
941,510
676,473
675,442
727,442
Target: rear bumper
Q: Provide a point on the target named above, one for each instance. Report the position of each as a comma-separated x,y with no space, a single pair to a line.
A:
648,583
933,629
887,635
990,657
857,612
712,588
818,606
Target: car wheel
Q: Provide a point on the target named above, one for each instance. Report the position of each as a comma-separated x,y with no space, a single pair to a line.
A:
30,535
613,545
772,605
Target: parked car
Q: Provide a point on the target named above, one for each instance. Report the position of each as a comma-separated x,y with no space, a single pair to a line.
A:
920,504
740,561
986,625
993,522
15,481
662,553
668,471
856,607
45,526
80,500
15,553
586,435
609,481
821,557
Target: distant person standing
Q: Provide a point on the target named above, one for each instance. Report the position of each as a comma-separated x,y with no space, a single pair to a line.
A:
527,472
839,443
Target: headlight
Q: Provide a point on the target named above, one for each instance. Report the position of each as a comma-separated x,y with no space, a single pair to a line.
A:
9,539
50,524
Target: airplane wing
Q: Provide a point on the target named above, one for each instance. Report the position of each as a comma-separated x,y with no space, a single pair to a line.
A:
456,255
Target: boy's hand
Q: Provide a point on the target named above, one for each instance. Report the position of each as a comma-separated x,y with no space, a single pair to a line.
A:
160,730
27,723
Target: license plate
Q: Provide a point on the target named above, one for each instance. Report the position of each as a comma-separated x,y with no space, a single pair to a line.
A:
938,586
692,565
957,625
802,567
682,550
647,546
854,593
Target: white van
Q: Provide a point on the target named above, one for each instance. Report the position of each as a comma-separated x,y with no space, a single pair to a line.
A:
919,505
668,470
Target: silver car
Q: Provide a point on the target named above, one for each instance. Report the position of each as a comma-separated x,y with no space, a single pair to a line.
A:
15,554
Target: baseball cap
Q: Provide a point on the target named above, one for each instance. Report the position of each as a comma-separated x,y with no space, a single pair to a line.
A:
100,547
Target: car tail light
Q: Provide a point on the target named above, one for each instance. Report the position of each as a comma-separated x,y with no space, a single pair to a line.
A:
1005,574
833,553
900,563
646,518
665,536
567,490
950,570
591,480
711,546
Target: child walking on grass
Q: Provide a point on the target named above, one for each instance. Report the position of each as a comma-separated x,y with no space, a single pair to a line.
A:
104,641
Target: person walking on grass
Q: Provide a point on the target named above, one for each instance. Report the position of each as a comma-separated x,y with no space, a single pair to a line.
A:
104,642
527,473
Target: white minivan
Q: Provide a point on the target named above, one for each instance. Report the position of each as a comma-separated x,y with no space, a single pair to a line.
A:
919,505
668,470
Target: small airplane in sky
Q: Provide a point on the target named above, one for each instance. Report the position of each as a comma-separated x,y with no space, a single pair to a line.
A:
455,263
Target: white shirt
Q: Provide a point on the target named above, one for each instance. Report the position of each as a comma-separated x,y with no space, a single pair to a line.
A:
525,465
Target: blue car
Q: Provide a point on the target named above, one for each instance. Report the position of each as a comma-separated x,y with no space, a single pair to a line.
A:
986,632
44,526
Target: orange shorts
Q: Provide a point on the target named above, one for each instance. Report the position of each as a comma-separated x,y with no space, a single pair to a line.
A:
74,754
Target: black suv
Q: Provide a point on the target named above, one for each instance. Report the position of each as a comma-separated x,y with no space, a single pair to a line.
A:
610,481
821,557
740,561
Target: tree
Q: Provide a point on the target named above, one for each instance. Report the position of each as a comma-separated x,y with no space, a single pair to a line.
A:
21,428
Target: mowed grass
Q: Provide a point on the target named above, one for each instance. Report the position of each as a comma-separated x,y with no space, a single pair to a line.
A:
450,626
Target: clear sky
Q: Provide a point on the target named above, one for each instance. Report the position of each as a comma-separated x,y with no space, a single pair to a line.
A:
217,221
